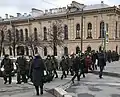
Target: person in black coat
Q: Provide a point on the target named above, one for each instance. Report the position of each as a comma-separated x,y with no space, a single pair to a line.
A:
94,56
63,65
37,70
82,65
21,63
101,62
76,68
8,68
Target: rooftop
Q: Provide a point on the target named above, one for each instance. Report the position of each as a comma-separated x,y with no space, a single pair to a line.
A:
51,12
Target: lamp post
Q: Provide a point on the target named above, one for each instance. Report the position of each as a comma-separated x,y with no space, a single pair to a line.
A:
82,31
79,7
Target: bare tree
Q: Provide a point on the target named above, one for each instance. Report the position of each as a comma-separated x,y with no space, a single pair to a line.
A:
3,30
13,39
33,42
56,35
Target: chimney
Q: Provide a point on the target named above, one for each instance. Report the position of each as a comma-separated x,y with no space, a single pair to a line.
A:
119,6
64,8
25,14
6,16
46,11
50,11
60,9
11,16
102,2
0,18
18,14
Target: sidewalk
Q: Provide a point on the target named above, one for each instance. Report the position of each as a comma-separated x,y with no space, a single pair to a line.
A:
27,90
111,69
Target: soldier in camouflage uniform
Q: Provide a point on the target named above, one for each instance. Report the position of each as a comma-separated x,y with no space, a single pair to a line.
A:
8,68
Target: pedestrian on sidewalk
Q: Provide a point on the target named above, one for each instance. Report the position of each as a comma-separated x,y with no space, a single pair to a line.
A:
82,65
63,65
93,59
49,66
21,64
68,63
76,68
7,64
37,70
72,58
101,62
88,62
30,63
54,65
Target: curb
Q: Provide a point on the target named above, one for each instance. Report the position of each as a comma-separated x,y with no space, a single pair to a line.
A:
107,74
58,91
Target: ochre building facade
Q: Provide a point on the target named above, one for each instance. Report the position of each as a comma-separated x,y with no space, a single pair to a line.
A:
95,17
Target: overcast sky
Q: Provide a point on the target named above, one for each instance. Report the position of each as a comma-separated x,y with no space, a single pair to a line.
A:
11,7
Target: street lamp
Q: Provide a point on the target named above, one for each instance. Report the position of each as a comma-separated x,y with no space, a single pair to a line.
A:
79,7
82,29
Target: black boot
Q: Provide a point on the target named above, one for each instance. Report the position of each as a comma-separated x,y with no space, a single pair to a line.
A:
5,82
41,90
37,90
62,77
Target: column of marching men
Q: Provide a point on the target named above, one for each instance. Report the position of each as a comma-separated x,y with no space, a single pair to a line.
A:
75,65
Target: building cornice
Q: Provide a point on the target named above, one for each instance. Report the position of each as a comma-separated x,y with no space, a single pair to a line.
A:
107,10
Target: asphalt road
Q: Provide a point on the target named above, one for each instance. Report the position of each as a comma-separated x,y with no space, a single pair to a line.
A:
92,86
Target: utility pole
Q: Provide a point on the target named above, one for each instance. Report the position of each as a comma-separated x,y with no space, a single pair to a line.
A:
82,31
104,37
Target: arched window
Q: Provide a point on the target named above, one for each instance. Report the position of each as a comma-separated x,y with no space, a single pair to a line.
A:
54,38
3,51
55,32
45,33
117,48
65,32
116,30
17,35
10,51
89,31
36,50
2,35
65,51
100,48
26,34
21,35
27,51
102,30
9,35
89,48
45,51
77,50
20,50
35,34
78,31
55,50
